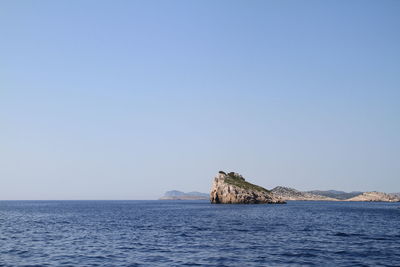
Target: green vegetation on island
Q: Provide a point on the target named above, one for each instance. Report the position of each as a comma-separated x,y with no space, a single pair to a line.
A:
238,180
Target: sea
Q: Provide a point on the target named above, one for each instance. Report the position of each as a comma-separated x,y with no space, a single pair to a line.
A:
197,233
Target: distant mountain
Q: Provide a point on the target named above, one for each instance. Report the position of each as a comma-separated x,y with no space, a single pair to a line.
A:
179,195
287,193
195,193
341,195
174,193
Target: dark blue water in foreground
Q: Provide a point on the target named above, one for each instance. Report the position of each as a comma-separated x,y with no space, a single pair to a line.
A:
164,233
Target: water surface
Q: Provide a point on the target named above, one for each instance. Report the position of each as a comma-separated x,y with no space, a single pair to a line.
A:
175,233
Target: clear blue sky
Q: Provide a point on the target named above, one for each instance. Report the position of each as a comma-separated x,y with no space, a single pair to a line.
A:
128,99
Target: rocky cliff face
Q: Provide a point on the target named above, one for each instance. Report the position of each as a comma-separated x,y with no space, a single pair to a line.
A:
232,188
287,193
375,196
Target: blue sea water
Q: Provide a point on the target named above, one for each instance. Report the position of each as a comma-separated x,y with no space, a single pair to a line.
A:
190,233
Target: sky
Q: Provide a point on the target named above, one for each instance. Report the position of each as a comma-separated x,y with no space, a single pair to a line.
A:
129,99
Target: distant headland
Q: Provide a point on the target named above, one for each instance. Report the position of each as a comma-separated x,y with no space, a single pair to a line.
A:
179,195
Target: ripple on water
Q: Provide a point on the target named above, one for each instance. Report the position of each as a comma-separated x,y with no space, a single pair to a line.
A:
195,233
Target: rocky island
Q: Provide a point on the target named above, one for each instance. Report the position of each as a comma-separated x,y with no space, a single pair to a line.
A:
232,188
339,195
375,197
287,193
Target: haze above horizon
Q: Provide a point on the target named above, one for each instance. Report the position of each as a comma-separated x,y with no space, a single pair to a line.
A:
129,99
